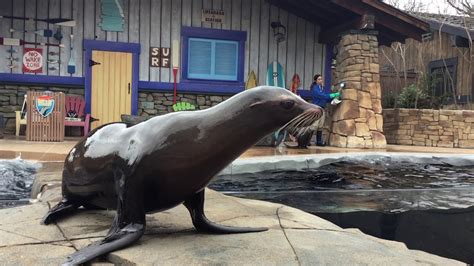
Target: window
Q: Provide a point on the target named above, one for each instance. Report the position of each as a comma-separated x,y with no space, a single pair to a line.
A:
443,81
443,74
212,59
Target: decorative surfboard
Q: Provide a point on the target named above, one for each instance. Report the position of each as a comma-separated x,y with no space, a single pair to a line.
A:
251,81
71,64
295,83
275,75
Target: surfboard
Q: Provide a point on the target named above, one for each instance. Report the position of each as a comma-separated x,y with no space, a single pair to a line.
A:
275,75
295,83
251,81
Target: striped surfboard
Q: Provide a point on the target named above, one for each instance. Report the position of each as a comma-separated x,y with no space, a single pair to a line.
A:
275,75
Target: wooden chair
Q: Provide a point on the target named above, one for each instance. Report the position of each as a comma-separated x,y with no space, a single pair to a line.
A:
75,116
20,117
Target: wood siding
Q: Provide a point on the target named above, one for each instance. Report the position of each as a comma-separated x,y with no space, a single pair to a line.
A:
157,23
419,55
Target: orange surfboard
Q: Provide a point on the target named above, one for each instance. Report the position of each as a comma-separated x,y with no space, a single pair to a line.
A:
295,83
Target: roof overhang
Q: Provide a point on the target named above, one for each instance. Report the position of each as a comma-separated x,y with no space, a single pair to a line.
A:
451,29
338,16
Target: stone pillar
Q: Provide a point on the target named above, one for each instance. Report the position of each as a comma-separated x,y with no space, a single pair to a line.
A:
357,122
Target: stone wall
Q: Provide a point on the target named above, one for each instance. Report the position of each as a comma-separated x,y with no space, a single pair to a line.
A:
158,103
149,103
357,122
426,127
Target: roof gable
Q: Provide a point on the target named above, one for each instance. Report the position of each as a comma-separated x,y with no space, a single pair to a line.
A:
338,16
454,25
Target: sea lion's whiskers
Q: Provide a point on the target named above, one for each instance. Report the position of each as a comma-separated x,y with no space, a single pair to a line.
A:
303,119
299,120
301,124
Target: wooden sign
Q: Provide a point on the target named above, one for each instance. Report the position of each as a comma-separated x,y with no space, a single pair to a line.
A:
160,57
45,128
33,60
211,15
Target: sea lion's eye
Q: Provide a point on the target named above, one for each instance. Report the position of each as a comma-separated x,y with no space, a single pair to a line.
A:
287,104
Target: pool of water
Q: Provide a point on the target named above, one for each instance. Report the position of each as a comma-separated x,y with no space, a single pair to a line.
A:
16,179
380,184
428,206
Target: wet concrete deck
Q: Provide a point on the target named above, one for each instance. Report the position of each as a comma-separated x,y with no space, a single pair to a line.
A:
12,147
295,237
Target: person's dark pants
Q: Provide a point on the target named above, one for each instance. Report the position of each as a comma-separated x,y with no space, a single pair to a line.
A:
319,138
304,140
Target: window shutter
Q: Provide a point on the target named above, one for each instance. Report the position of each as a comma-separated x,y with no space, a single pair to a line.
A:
200,52
226,60
210,59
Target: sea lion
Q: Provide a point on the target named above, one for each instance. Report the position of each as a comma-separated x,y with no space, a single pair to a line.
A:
168,160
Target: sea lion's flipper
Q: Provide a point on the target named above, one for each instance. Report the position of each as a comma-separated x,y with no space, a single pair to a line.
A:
64,207
117,240
128,225
195,205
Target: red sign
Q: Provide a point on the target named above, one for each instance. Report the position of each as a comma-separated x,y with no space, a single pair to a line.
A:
33,60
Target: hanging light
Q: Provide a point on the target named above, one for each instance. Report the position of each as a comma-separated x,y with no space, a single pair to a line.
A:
279,31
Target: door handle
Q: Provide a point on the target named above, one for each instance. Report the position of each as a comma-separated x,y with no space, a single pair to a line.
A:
129,88
93,63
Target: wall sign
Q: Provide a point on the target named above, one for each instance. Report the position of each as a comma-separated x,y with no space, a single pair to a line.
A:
160,57
44,105
211,15
33,60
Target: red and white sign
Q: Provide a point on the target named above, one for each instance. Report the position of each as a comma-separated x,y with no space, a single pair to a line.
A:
33,60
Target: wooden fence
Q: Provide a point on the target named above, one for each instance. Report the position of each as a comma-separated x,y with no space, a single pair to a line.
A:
45,128
391,84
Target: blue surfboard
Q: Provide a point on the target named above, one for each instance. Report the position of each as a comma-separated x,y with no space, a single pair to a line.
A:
275,75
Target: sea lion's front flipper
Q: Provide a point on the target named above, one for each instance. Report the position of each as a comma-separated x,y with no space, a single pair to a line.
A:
61,209
195,205
128,225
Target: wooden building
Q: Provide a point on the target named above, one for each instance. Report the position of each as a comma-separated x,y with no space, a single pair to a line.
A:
124,64
445,53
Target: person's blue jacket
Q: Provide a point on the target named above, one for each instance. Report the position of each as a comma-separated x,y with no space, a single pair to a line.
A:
319,96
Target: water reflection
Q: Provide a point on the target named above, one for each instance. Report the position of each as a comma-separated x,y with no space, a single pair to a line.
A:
353,185
16,179
429,207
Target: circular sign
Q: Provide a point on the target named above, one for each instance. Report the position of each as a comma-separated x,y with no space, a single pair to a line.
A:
32,60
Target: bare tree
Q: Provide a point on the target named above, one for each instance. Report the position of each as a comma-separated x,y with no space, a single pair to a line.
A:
399,58
463,7
400,49
414,5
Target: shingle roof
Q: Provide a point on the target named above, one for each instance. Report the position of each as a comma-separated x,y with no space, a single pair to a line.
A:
456,21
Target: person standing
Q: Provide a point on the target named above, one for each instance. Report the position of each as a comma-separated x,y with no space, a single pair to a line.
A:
320,98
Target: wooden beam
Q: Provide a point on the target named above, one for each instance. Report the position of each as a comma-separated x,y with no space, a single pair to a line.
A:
330,9
387,36
385,19
303,10
398,13
330,35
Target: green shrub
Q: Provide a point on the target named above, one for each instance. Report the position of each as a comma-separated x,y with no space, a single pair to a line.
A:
421,95
411,97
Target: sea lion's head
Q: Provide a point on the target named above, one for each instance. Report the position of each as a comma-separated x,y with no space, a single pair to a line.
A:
274,108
